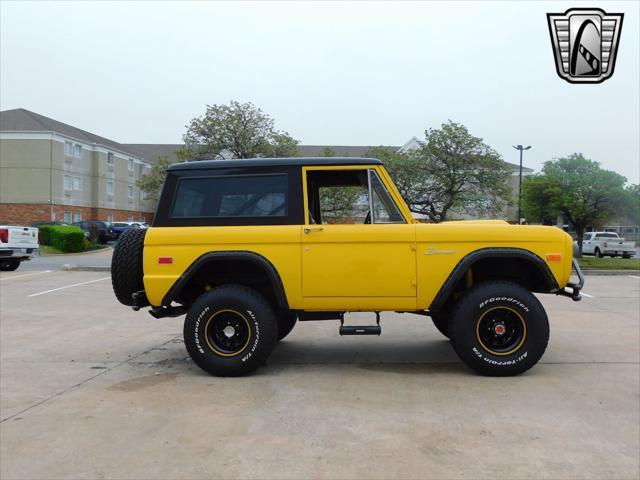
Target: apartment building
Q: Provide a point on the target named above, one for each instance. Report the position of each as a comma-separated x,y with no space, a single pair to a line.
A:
53,171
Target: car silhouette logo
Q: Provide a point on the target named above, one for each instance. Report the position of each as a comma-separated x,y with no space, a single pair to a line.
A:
585,43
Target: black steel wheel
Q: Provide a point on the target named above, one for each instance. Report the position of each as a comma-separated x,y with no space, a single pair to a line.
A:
499,329
230,331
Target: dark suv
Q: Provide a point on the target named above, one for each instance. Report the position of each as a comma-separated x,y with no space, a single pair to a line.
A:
105,230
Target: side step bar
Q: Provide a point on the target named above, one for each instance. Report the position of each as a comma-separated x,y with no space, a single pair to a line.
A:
361,329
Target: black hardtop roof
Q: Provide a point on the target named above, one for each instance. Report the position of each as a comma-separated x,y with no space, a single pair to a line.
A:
273,162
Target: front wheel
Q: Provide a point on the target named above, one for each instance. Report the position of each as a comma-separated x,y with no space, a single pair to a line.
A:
230,331
499,329
9,265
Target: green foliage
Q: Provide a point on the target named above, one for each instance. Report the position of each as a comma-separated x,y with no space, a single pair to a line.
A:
577,188
452,171
327,152
241,129
632,194
68,239
151,183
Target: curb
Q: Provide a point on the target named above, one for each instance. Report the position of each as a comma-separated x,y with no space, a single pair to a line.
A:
611,272
100,250
79,268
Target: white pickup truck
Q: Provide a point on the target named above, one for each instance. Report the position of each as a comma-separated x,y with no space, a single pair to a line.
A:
601,244
17,244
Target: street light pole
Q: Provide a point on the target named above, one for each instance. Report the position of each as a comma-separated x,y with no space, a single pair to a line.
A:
521,148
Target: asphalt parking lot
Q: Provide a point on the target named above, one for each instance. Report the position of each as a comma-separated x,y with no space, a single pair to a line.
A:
91,389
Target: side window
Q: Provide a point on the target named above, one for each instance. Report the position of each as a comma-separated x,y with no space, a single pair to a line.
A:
231,196
349,197
384,208
338,196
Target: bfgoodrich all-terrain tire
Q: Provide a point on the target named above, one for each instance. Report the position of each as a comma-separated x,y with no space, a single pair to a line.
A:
126,265
499,329
230,331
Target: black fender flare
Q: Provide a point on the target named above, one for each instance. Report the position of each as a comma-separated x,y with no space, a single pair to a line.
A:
470,259
211,257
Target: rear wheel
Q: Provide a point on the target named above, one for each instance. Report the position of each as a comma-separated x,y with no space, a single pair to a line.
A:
499,329
9,265
230,331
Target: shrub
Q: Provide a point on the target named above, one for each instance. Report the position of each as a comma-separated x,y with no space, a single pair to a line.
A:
68,239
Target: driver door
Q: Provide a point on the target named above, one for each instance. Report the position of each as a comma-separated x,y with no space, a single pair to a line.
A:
356,242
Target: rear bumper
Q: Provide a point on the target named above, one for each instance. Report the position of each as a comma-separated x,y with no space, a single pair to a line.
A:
22,253
613,251
572,290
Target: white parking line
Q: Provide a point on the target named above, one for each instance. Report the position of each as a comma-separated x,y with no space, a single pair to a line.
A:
587,295
634,276
68,286
26,275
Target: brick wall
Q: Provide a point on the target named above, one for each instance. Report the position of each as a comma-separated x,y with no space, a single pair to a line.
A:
26,214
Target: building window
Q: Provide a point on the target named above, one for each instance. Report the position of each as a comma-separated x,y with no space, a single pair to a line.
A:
67,218
109,217
143,219
68,182
77,183
130,164
109,188
143,195
77,216
130,218
68,149
130,191
110,158
77,151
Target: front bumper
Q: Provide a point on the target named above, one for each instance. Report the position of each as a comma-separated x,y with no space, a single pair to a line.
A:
572,290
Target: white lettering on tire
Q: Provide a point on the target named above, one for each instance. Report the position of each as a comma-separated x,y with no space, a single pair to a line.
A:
504,299
197,329
499,363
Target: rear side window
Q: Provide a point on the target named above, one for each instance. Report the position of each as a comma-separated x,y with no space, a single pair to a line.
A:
231,197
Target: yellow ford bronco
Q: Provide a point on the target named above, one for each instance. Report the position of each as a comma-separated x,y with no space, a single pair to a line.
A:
246,248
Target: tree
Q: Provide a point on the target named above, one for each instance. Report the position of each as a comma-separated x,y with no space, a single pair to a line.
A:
577,188
452,171
241,130
151,183
633,202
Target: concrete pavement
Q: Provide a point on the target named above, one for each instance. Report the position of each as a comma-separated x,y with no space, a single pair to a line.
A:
91,389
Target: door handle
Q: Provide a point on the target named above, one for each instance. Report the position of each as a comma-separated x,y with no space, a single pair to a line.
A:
313,229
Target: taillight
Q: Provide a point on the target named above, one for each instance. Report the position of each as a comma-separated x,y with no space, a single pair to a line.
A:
4,235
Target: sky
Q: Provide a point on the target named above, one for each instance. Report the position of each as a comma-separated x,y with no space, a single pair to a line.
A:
329,73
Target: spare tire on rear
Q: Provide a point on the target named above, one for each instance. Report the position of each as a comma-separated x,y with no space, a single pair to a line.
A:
126,266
